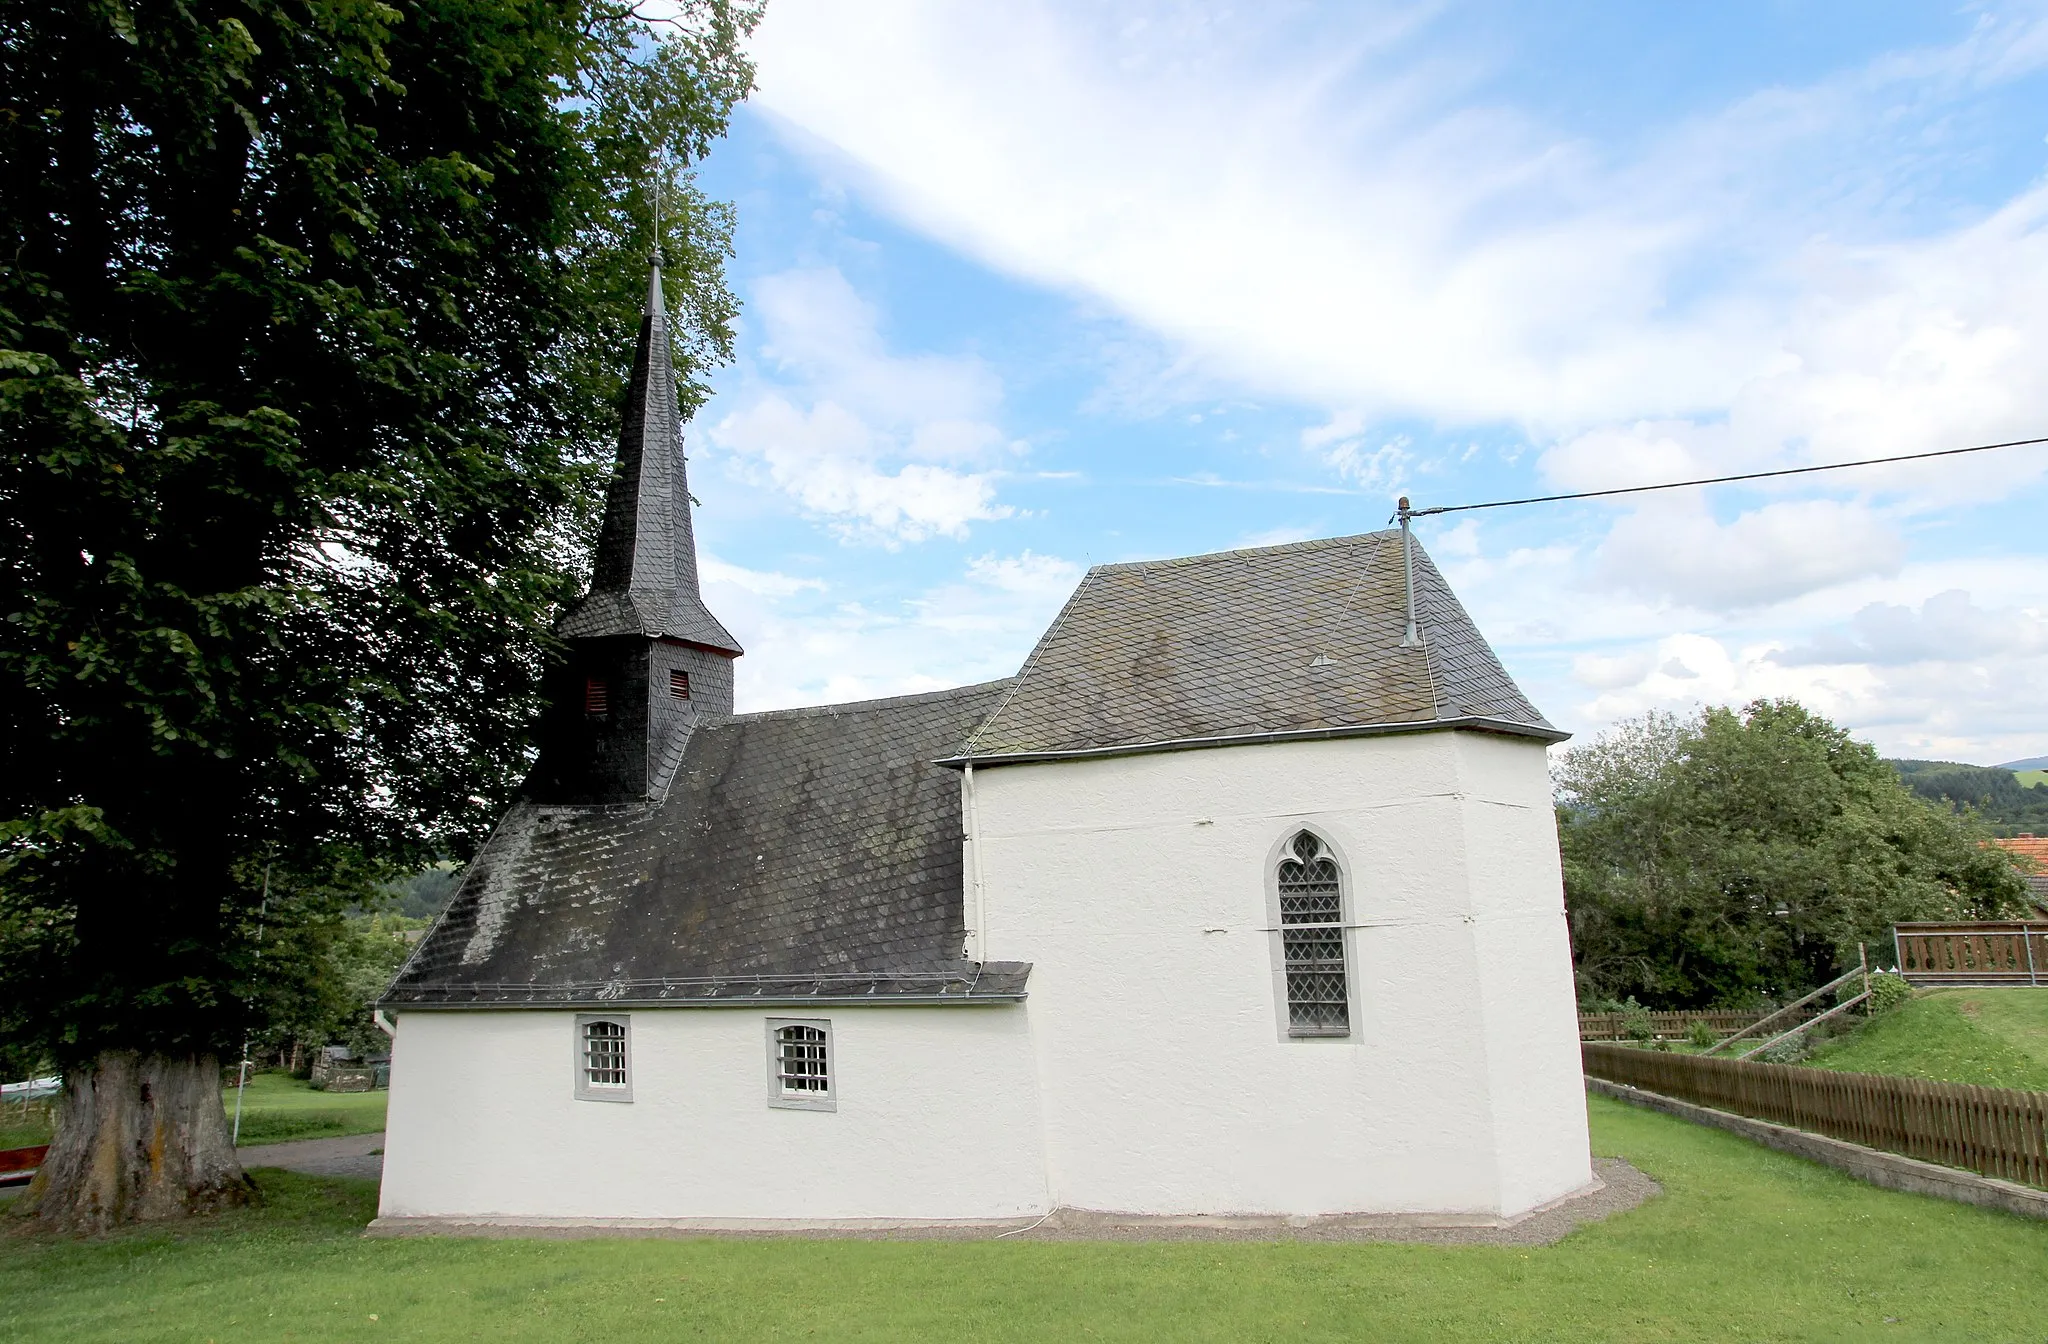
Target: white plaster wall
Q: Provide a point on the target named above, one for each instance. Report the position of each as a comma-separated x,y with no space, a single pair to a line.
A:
937,1118
1137,886
1527,997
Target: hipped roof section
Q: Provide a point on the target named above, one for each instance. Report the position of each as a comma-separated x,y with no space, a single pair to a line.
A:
1294,641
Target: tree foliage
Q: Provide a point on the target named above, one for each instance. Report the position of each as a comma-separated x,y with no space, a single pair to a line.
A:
1743,855
313,315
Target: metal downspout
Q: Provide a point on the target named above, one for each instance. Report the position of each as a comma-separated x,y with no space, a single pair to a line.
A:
974,857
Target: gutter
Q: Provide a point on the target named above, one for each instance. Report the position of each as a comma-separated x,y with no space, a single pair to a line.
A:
1002,984
1471,722
749,1001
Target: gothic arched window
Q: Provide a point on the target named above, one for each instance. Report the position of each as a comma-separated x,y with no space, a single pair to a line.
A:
1312,940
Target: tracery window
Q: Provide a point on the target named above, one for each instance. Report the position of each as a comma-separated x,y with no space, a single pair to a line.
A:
1312,940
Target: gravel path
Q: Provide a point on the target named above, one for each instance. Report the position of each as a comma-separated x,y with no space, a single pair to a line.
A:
358,1155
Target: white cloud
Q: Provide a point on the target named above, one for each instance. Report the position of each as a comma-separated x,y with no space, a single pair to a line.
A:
1674,550
1947,628
1331,214
809,644
1351,451
870,442
716,573
1984,708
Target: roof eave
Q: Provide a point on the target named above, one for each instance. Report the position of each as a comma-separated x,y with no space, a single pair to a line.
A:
747,1001
1468,723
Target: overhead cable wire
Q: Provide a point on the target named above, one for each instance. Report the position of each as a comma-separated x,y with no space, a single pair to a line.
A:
1715,480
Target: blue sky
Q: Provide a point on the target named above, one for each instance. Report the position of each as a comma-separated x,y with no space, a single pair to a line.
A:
1035,286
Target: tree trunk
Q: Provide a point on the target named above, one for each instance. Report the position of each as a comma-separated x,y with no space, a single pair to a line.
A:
140,1138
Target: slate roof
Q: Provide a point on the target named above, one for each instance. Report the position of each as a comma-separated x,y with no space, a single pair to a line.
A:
1302,640
808,856
644,579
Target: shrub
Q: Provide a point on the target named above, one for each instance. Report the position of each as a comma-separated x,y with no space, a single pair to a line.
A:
1635,1021
1700,1035
1888,990
1785,1052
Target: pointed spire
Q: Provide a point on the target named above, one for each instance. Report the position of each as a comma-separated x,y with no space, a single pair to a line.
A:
644,580
655,306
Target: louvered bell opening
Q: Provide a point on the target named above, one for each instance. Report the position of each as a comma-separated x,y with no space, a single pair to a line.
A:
678,685
597,696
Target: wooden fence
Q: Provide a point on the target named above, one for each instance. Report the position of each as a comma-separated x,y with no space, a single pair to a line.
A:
1663,1026
1992,1130
1993,952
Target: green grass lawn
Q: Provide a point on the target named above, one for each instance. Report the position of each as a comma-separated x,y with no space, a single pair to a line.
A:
24,1126
278,1107
2029,778
1746,1244
1992,1037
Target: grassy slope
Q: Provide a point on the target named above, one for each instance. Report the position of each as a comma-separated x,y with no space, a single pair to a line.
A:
1992,1037
1746,1245
278,1107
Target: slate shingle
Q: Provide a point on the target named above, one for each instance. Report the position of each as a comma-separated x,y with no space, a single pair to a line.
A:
810,854
1303,638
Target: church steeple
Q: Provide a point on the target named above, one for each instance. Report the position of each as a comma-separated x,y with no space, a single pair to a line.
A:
646,658
644,580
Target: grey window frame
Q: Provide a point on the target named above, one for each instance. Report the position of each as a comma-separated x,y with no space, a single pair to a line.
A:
1281,852
587,1090
783,1100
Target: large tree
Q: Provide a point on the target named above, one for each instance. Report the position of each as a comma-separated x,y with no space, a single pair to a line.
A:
312,320
1742,856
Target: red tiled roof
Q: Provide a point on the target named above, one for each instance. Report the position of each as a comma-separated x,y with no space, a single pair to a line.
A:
2034,847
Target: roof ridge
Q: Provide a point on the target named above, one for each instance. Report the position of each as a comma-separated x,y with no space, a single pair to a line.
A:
1031,659
1312,544
842,706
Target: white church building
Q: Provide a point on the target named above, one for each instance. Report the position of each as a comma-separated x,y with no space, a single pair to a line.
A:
1232,901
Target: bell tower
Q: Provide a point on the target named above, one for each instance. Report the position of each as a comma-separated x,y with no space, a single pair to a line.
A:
646,658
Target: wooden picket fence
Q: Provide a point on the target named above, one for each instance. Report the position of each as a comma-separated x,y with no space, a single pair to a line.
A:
1664,1026
1995,1131
1986,952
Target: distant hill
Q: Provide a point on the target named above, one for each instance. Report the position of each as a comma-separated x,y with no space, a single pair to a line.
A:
2031,763
2007,804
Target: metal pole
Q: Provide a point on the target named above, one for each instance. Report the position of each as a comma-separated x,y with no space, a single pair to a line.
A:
2027,937
242,1078
1413,637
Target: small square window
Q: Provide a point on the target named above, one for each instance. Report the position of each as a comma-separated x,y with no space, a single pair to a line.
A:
604,1068
597,697
678,685
800,1065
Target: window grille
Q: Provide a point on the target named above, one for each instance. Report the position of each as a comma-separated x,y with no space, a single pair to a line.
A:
603,1070
678,685
1312,941
800,1065
596,696
804,1068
